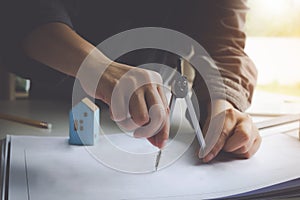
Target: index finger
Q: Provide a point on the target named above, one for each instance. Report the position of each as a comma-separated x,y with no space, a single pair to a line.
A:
157,115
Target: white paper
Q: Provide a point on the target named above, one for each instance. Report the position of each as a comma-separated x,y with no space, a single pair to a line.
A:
56,170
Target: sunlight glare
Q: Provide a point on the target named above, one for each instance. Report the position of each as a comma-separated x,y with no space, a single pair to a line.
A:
275,7
296,2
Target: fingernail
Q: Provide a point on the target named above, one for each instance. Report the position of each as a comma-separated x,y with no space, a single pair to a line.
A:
208,158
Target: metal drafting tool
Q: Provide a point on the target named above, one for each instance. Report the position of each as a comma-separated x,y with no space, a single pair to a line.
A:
157,159
180,89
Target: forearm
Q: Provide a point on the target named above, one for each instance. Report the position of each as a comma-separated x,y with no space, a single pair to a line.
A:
225,40
59,47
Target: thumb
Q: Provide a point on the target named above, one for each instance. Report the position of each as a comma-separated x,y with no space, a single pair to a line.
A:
220,128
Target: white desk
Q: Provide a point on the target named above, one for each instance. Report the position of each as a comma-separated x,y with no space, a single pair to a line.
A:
57,114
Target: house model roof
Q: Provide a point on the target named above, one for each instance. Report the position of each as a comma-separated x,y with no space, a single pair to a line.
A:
89,104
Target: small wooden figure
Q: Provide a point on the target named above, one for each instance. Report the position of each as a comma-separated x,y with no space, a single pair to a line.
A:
84,123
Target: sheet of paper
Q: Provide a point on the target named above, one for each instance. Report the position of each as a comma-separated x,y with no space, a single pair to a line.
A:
55,170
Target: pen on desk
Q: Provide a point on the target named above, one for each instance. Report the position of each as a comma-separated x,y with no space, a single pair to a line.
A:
31,122
254,114
278,121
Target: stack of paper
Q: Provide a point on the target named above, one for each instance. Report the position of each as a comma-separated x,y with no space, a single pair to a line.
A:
47,168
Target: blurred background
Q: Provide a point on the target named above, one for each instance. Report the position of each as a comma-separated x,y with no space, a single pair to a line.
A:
273,29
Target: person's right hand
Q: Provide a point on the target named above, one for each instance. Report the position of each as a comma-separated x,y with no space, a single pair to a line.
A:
135,96
137,101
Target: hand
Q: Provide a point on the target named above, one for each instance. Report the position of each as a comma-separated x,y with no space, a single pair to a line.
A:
238,135
136,99
135,96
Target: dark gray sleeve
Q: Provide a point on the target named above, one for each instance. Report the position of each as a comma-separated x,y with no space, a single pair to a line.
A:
45,11
19,17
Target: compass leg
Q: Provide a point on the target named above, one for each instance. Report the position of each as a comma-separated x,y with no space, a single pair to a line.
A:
195,122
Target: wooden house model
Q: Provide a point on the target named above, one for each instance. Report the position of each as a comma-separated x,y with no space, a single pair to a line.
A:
84,123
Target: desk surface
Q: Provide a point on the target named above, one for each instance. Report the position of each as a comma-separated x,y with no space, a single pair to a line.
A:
54,112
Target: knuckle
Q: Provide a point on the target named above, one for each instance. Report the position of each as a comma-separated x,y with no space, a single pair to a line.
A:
151,77
125,84
144,75
116,82
243,150
246,155
134,97
245,137
230,112
223,135
130,81
142,119
157,77
246,118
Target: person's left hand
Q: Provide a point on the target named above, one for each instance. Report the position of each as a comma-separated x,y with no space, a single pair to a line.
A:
238,136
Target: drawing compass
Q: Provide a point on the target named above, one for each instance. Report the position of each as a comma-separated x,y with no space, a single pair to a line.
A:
180,89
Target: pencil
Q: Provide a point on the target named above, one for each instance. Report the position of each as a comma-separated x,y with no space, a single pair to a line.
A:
31,122
266,114
278,121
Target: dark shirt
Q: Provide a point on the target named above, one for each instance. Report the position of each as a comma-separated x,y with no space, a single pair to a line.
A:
215,24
